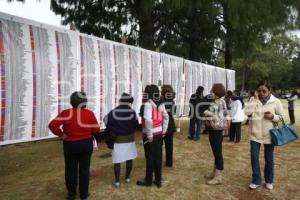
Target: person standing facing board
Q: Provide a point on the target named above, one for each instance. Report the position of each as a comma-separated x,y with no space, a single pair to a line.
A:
167,98
155,121
291,106
195,118
76,126
228,100
237,116
122,123
264,110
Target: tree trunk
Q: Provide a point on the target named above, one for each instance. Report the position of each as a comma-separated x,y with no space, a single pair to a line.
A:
194,35
228,35
244,78
146,33
228,54
193,51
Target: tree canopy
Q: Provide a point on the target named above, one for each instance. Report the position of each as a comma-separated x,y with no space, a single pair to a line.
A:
248,36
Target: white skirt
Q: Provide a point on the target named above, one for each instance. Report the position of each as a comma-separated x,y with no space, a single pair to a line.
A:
123,152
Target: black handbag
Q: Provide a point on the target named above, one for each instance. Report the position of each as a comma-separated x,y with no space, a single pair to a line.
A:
282,135
110,140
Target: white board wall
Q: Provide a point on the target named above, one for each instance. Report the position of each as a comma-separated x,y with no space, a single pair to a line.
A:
41,65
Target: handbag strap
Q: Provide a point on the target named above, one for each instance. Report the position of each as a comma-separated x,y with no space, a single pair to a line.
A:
282,120
275,124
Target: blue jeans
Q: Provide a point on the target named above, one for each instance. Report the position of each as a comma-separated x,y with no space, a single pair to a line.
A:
195,128
269,162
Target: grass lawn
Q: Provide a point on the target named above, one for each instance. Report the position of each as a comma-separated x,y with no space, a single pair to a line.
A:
36,171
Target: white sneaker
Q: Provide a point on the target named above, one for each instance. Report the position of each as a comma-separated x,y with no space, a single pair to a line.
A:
127,180
269,186
253,186
116,184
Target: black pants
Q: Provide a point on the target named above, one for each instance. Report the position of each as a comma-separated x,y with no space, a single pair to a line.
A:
117,170
216,139
235,131
168,139
78,155
292,116
153,155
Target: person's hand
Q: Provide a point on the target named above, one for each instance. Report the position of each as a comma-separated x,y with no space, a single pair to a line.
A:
150,138
164,134
64,136
268,115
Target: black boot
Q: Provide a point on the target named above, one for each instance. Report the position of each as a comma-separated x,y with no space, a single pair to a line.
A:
143,183
69,197
157,183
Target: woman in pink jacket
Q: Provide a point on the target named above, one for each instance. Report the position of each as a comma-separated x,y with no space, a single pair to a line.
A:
155,121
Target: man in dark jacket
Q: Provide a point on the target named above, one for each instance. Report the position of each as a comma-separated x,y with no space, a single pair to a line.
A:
194,114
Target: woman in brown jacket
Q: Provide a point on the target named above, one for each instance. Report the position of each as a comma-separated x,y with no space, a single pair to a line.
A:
264,110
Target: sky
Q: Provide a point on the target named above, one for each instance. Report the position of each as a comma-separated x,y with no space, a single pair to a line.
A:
296,33
32,9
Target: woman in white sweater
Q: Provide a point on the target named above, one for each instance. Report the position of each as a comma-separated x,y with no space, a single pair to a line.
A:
237,116
265,110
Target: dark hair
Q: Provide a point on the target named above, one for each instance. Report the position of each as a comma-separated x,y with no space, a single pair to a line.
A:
264,83
152,92
145,96
229,93
218,89
237,92
199,91
167,92
294,92
78,99
126,98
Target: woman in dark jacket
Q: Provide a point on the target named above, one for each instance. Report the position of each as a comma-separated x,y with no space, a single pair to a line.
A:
167,98
122,123
76,126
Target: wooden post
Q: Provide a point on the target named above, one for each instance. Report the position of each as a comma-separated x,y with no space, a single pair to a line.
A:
72,27
124,39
